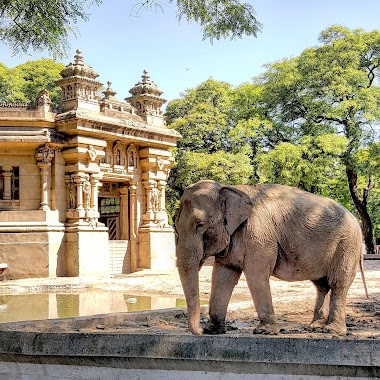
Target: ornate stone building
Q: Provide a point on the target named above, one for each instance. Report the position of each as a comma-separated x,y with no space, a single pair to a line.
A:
82,188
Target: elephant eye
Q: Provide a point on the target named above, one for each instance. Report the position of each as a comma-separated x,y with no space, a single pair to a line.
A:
199,225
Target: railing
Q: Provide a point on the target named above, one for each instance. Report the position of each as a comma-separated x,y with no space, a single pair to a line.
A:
22,105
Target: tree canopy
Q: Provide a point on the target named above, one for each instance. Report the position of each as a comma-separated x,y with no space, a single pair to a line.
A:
332,88
41,25
23,82
310,121
37,25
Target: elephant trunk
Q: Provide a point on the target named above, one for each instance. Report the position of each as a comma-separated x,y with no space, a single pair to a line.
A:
190,284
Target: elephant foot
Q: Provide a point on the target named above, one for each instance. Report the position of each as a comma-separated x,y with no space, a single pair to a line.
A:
319,324
196,330
267,329
335,328
214,328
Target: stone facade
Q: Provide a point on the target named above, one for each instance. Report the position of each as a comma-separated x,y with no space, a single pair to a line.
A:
77,179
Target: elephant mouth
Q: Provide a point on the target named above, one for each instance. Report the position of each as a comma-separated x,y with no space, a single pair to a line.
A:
203,259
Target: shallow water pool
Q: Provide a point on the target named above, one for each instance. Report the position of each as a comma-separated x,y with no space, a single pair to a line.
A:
22,307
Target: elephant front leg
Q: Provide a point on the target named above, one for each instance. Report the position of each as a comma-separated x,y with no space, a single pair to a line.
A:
223,282
262,298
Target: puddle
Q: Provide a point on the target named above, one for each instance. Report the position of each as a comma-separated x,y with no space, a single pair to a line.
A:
23,307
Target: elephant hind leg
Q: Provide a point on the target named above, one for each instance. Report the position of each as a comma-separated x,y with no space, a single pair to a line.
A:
337,316
320,317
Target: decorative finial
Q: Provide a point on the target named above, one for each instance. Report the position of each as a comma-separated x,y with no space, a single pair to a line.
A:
78,57
145,77
109,92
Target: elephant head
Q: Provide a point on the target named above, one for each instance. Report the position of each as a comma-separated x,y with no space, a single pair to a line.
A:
209,215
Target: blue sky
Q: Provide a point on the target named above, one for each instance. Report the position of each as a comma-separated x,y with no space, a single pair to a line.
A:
120,46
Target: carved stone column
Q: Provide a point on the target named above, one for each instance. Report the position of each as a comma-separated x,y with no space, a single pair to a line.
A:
95,183
150,185
44,186
79,179
133,228
161,185
7,175
124,214
44,155
71,192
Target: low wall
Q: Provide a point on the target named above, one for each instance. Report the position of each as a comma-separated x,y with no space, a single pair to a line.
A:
37,350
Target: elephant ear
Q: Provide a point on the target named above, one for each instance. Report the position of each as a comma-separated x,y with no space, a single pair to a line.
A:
237,207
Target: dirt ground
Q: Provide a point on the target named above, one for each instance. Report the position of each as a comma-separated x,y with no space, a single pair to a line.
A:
293,303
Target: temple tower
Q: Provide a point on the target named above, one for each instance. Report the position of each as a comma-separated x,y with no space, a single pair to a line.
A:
146,99
79,86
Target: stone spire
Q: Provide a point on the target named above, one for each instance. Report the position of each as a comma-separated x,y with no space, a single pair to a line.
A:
79,85
146,98
109,93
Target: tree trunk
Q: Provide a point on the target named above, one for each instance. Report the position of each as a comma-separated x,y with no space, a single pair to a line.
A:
361,207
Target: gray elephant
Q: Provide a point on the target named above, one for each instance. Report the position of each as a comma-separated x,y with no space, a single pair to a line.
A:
263,231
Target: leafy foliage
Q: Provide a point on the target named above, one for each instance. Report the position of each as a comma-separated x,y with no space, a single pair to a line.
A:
39,25
331,88
310,121
23,82
220,18
220,166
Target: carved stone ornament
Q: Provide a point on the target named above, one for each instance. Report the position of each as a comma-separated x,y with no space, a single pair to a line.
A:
155,199
44,154
92,153
43,98
160,163
86,194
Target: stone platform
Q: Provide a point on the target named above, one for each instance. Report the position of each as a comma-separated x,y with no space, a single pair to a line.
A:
98,347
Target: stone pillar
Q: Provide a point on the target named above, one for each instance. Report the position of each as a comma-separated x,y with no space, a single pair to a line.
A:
94,180
79,180
124,214
7,175
156,237
71,192
44,185
163,216
161,185
133,228
44,156
150,186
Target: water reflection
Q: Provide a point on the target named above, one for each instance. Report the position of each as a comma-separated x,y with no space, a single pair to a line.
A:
22,307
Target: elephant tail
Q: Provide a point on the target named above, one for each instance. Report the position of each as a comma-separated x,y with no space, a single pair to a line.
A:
361,265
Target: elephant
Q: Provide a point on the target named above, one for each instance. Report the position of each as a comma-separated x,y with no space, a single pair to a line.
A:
262,231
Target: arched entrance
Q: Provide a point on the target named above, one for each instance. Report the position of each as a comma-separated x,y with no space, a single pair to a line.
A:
109,210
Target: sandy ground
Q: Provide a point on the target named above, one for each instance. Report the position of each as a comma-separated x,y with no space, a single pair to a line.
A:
293,301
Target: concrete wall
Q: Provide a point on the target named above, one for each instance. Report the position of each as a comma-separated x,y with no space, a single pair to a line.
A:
22,371
37,350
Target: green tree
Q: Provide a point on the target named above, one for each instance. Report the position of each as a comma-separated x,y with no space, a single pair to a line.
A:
38,25
36,75
5,83
207,150
23,82
32,24
331,88
313,165
214,93
220,18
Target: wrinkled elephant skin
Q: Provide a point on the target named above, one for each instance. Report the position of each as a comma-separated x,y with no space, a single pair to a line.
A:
263,231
